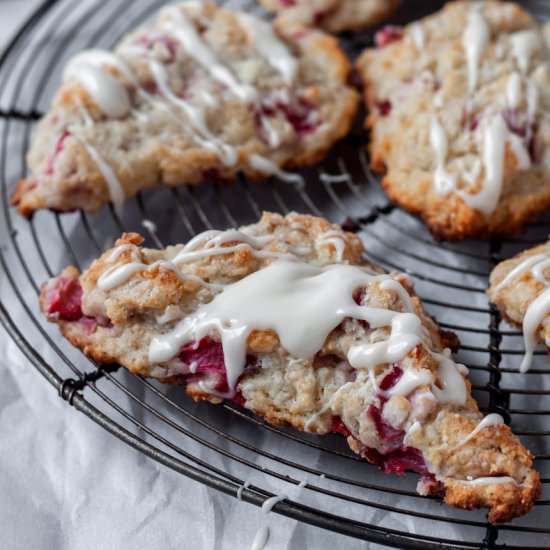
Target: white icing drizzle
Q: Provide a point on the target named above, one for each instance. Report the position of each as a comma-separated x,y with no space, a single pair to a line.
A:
513,90
270,47
497,480
335,239
121,249
262,300
418,36
227,154
523,267
475,39
116,191
406,334
524,44
176,21
492,419
272,136
172,313
107,91
444,182
453,389
212,240
533,97
266,166
119,274
538,309
494,139
409,381
151,226
261,538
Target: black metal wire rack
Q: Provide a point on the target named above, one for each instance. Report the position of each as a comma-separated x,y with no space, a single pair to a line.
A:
224,446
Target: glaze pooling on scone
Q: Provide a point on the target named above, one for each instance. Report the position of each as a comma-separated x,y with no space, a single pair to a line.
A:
286,318
458,112
521,288
330,15
201,94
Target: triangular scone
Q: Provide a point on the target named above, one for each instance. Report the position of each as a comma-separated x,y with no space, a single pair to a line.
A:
459,113
330,15
520,287
201,94
287,319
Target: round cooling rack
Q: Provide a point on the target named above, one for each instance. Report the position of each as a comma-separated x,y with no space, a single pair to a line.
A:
225,446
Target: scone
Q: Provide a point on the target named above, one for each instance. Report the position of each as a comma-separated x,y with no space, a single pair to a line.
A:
201,94
330,15
459,115
520,287
287,319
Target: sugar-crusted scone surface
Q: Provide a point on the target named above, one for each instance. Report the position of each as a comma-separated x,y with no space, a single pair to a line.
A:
330,15
287,319
519,287
203,93
459,115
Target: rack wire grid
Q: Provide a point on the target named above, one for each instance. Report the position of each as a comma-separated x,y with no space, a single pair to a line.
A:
225,446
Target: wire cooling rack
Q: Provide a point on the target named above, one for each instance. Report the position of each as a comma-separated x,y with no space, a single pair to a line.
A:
224,446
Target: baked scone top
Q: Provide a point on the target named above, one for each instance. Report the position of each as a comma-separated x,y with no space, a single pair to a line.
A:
520,287
286,318
330,15
459,112
202,93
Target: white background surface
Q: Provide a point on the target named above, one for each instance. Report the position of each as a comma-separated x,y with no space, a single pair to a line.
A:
53,497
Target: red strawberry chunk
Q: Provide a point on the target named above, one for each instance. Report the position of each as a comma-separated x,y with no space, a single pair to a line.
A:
150,41
384,431
387,35
514,123
384,107
207,357
64,299
398,461
300,114
391,378
59,146
338,427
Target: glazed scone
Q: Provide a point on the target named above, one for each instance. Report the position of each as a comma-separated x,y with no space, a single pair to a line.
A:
201,94
330,15
287,319
520,287
459,115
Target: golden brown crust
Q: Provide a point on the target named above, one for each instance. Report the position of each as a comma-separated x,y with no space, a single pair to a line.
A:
307,394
